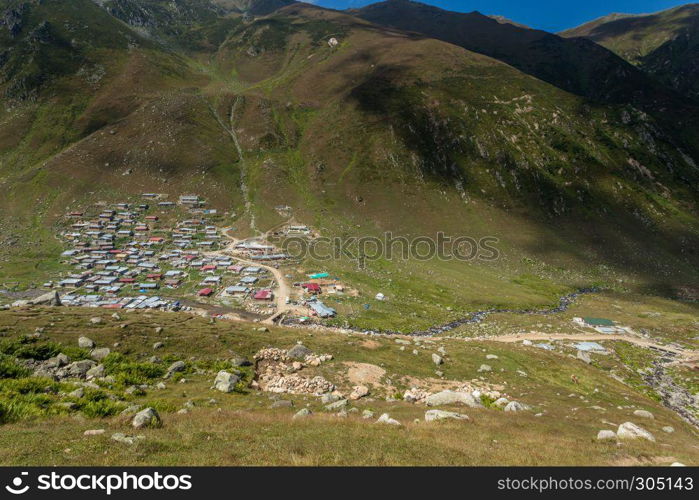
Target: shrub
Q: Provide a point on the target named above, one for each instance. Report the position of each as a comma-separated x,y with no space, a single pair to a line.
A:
30,348
127,372
14,410
100,408
29,385
10,369
487,401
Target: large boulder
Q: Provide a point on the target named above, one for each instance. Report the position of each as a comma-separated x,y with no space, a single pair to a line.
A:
452,397
337,405
605,434
629,430
302,413
432,415
100,353
86,343
240,361
79,369
146,418
299,351
44,372
329,397
95,372
501,402
514,406
225,381
177,366
47,299
386,419
358,392
120,437
57,361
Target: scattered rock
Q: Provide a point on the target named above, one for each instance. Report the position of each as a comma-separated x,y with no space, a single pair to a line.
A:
432,415
584,356
299,351
57,361
86,343
669,429
386,419
146,418
77,393
96,320
134,391
452,397
337,405
100,353
515,406
123,438
329,397
158,345
78,369
629,430
604,435
302,413
367,414
240,361
437,359
358,392
643,414
415,395
95,372
47,299
484,368
130,410
225,381
177,366
501,402
93,432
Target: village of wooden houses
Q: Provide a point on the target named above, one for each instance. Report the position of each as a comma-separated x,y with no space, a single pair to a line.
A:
174,255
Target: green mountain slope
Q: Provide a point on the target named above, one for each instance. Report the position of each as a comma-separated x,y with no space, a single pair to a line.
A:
664,44
574,65
387,131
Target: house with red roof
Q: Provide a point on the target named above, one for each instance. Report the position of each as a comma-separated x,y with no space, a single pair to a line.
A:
313,288
263,295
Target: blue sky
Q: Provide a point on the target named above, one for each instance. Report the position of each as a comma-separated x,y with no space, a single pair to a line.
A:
549,15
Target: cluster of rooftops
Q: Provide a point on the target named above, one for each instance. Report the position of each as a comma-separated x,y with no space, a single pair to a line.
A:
122,253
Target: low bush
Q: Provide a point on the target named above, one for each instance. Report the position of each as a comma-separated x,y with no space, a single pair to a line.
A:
126,372
9,368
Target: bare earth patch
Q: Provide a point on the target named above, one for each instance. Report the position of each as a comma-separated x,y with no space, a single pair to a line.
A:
364,373
370,344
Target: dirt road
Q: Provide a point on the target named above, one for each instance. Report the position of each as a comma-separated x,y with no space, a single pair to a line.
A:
281,291
584,336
